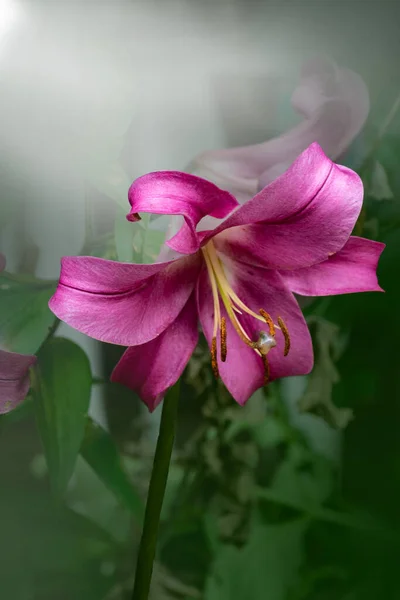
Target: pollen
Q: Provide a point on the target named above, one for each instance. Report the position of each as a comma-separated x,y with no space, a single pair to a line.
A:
223,339
269,321
214,363
286,335
266,369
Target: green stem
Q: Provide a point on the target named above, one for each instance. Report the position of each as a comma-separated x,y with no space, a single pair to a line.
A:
158,482
51,331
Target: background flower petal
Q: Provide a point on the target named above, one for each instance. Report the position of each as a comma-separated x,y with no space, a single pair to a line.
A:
334,102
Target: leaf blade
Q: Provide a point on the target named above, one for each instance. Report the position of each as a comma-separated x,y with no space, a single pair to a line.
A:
62,383
25,317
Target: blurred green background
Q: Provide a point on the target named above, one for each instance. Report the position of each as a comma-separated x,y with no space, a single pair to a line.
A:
295,496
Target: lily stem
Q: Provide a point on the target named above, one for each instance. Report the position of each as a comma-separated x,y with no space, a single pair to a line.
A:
158,482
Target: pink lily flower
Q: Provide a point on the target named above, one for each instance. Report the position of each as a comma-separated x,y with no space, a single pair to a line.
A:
14,373
334,103
237,278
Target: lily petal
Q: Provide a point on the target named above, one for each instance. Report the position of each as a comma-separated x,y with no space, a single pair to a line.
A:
334,103
150,369
14,379
243,371
299,219
122,303
176,193
352,269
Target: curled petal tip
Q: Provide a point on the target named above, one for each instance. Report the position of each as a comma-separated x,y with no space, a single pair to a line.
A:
133,217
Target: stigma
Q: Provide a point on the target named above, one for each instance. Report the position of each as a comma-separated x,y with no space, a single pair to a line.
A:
234,307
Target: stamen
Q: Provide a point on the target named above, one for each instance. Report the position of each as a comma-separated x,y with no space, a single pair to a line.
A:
214,364
221,277
224,348
269,321
240,331
286,335
266,369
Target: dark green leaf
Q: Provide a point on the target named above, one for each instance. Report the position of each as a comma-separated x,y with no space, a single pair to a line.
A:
62,385
19,413
100,452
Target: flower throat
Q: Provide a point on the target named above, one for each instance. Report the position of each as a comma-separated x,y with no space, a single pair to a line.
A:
221,289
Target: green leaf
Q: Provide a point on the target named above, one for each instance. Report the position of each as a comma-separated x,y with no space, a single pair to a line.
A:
62,383
266,567
25,317
100,452
147,241
124,233
136,242
19,413
379,186
388,157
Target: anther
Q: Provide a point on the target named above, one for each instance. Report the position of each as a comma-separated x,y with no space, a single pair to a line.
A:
214,364
266,369
268,319
223,339
286,335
